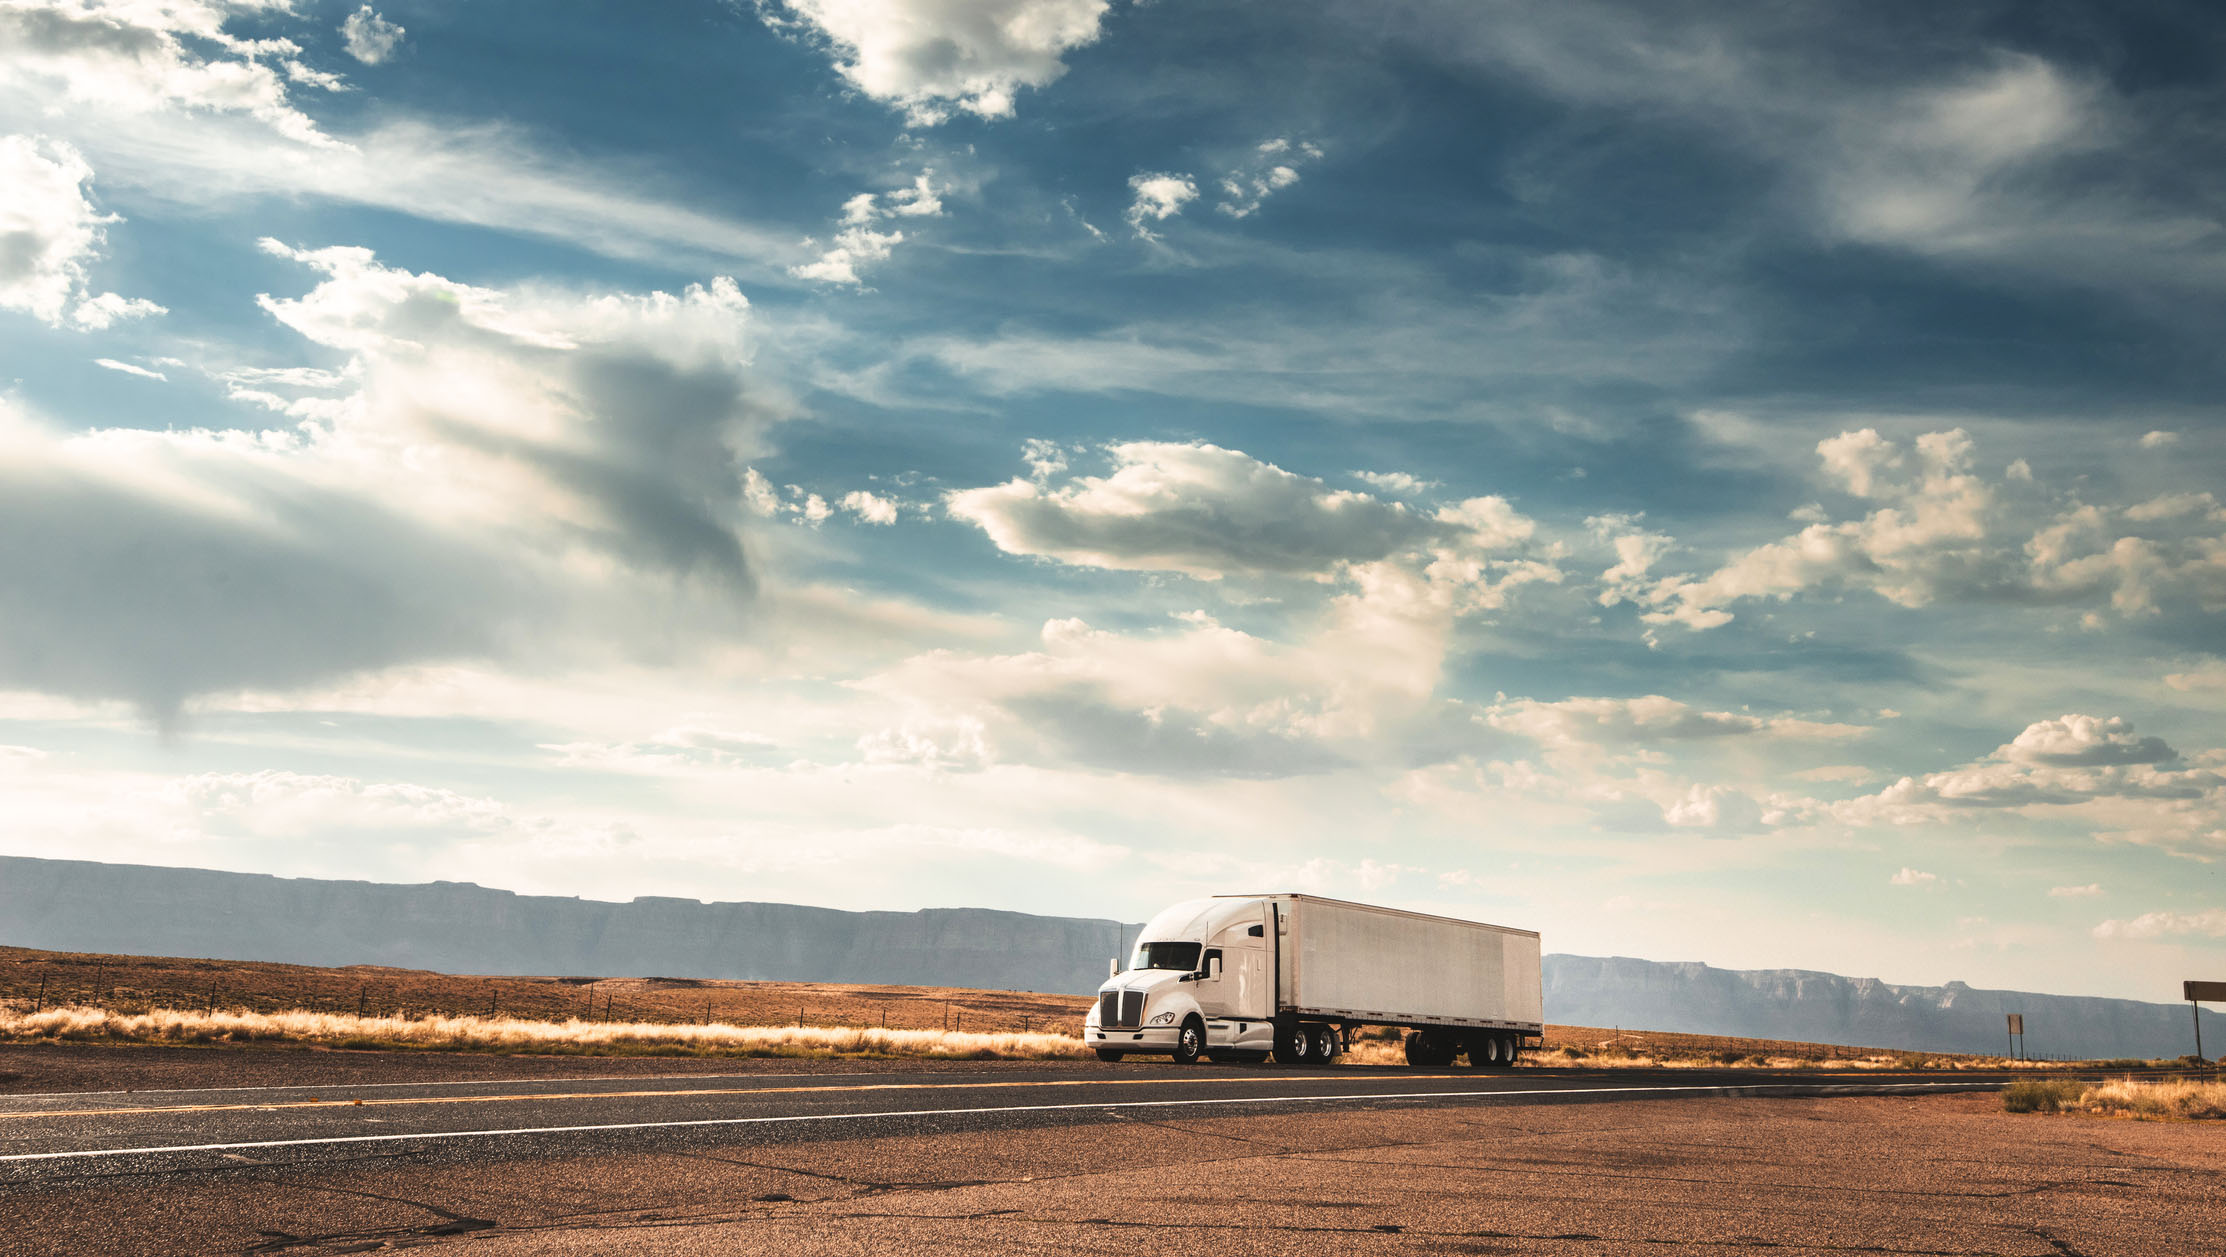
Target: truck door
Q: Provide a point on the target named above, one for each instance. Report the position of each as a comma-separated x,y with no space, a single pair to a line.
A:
1244,971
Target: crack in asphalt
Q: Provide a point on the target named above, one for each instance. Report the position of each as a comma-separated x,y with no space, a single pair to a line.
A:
867,1186
2062,1246
1578,1170
451,1222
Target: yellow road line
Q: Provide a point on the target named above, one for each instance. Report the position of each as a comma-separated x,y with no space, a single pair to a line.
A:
314,1103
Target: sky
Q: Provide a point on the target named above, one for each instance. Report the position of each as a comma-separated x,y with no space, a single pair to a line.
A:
1723,483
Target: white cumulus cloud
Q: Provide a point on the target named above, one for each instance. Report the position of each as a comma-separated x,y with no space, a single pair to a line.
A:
857,244
1267,170
370,38
148,57
515,471
1193,508
2126,785
931,57
1937,530
2154,925
1155,198
49,234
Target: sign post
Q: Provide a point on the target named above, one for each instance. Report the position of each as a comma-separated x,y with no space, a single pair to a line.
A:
2195,993
2017,1031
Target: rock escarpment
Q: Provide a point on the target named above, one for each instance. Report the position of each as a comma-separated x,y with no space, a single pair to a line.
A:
455,927
1827,1008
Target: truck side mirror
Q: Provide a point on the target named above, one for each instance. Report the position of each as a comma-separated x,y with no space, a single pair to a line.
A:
1213,966
1113,967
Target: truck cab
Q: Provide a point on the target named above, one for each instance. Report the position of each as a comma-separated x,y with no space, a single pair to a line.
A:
1200,983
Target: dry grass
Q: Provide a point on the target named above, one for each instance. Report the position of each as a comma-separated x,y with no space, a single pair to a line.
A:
2162,1099
30,979
510,1034
2157,1100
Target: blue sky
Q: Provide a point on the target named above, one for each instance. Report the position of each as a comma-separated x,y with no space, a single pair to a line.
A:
1739,487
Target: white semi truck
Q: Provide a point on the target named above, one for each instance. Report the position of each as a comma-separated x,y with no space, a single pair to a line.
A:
1244,977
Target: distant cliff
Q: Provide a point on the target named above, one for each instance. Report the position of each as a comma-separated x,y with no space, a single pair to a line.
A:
455,927
1827,1008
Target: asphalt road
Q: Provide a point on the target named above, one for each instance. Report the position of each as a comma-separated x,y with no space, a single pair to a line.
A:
46,1135
361,1167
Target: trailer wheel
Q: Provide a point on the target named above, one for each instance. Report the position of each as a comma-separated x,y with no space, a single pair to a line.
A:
1293,1046
1111,1056
1325,1044
1481,1050
1190,1042
1430,1049
1514,1051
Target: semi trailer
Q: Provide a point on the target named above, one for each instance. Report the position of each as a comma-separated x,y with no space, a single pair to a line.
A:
1247,977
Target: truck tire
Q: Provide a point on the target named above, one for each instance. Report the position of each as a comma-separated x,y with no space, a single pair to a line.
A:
1430,1049
1190,1042
1293,1046
1483,1051
1514,1051
1325,1044
1110,1056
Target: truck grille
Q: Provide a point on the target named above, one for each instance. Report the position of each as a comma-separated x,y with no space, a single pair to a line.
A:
1121,1008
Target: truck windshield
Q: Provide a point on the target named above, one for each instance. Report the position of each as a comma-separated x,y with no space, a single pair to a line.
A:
1183,956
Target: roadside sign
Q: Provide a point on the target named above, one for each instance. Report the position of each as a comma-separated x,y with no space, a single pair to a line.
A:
2017,1023
2197,992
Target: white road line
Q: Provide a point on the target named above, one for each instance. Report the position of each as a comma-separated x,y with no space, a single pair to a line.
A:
1017,1108
462,1082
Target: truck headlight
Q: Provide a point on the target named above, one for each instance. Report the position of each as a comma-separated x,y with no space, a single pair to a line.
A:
1164,1019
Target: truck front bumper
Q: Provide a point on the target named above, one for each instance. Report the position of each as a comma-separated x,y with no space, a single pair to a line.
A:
1149,1039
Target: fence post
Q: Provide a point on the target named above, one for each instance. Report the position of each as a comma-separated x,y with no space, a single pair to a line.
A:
42,1008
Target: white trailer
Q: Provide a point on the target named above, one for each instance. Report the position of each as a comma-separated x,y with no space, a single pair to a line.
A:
1244,977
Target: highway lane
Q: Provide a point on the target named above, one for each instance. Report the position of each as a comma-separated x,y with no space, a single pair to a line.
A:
831,1158
61,1134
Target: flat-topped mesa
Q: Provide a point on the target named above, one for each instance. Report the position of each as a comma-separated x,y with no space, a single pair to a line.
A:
1808,1006
456,927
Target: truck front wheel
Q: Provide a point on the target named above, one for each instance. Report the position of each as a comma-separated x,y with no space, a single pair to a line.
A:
1108,1054
1190,1042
